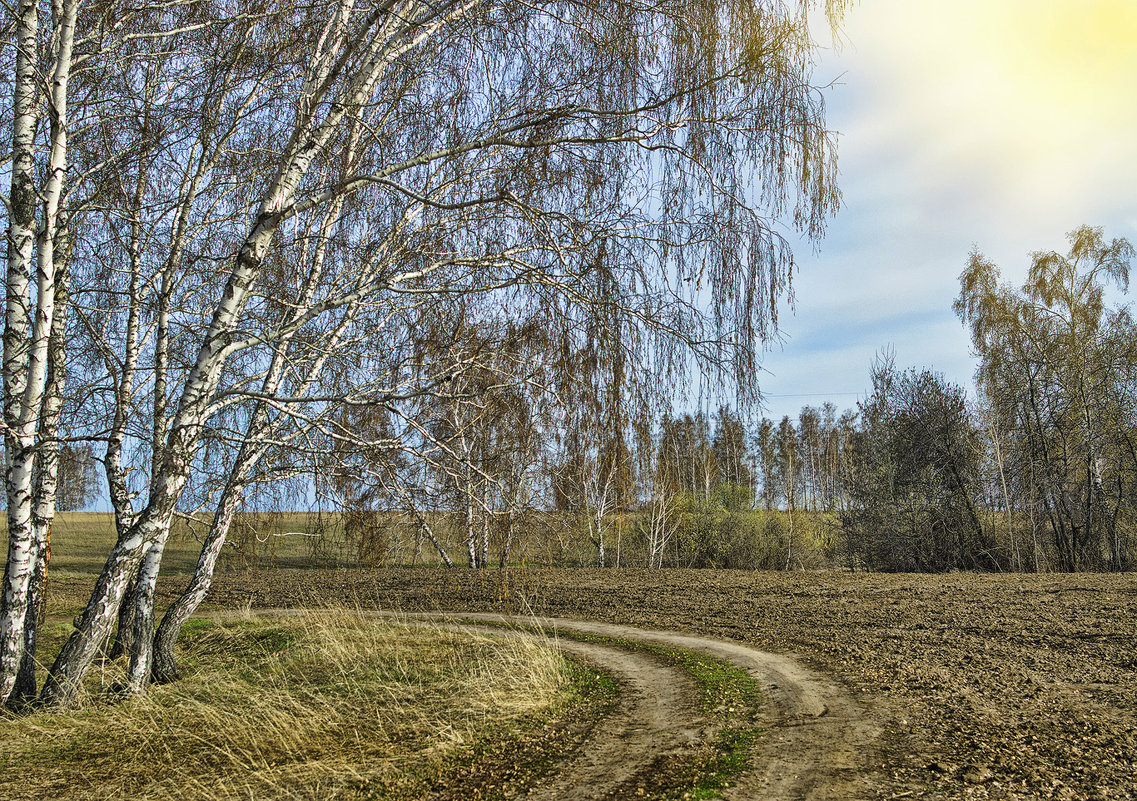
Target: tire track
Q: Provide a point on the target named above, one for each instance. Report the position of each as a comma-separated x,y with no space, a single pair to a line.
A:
657,716
819,743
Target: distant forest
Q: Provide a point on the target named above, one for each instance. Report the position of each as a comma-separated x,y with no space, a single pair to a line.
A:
1036,472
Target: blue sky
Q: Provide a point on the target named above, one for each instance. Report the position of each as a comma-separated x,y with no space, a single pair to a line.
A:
1000,124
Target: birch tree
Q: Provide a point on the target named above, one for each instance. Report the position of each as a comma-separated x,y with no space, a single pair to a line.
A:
553,163
35,304
1056,367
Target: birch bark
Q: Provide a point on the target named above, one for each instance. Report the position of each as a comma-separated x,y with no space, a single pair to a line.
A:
46,485
27,345
152,524
152,657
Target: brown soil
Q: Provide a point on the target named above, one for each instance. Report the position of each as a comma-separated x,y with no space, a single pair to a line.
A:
819,742
983,686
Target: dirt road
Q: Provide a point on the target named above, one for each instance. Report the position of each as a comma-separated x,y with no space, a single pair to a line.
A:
819,743
986,686
656,717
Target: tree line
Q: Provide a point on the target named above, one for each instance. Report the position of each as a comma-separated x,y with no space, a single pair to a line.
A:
1033,473
1036,472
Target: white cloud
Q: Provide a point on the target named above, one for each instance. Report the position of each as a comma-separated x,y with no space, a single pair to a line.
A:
1002,125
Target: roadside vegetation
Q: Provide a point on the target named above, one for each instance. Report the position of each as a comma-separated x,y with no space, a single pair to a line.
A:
323,704
329,703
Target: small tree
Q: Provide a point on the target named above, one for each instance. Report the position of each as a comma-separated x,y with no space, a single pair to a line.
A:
914,477
78,477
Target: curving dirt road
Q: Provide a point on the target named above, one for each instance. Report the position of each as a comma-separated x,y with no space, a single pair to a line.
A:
1019,687
657,716
818,743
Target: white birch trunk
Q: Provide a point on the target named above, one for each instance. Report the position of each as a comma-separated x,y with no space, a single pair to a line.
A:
484,560
426,529
26,361
21,246
153,522
43,508
24,690
164,666
142,639
122,500
471,533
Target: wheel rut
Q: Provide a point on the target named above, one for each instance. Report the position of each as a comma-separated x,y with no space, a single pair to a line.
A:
818,743
657,717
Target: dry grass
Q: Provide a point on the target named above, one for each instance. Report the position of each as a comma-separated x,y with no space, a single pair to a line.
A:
321,705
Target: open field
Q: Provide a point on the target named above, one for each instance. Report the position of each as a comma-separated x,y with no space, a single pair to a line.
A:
80,541
986,686
990,686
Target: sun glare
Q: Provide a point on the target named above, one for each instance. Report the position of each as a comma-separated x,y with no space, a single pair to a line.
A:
1035,95
1080,56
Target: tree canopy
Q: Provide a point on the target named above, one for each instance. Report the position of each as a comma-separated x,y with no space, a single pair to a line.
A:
227,225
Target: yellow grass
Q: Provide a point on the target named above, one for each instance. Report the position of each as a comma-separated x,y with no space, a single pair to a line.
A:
319,706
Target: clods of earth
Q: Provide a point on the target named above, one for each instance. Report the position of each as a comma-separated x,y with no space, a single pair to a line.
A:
985,686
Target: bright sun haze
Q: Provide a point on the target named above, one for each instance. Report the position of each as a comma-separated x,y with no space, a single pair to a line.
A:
962,123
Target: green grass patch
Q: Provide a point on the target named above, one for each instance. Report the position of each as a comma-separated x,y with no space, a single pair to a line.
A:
731,697
709,536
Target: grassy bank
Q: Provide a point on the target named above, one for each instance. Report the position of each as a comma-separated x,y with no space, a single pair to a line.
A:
318,706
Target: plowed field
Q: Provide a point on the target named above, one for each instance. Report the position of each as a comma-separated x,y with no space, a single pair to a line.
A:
986,686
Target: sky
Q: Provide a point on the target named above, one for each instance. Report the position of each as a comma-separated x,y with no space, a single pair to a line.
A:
997,124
